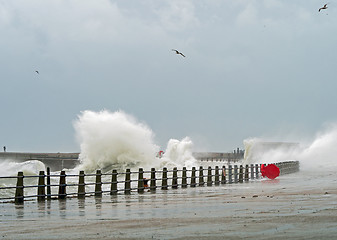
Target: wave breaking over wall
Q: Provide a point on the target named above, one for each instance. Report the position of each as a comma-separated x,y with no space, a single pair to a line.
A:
116,140
318,154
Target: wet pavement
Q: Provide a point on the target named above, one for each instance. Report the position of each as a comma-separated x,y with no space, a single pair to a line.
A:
295,206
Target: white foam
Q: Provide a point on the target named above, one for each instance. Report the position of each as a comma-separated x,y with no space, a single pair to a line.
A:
317,155
11,168
179,154
116,140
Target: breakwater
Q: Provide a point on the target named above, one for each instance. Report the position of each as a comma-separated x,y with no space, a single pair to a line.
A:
59,161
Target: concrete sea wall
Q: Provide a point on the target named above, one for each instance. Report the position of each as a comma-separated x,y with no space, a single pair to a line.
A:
58,161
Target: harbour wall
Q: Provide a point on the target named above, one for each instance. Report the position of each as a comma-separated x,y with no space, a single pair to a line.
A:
55,161
59,161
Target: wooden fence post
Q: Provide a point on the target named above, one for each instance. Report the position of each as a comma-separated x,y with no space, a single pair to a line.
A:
201,176
235,173
230,173
216,177
140,180
98,185
256,171
184,178
113,189
48,184
153,186
127,187
251,171
247,173
19,196
209,176
164,179
241,174
223,175
81,185
193,177
175,178
62,186
41,194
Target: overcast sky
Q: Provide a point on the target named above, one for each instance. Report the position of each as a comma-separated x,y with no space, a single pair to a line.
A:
253,68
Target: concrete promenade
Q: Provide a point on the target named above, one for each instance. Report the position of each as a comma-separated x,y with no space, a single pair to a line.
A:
295,206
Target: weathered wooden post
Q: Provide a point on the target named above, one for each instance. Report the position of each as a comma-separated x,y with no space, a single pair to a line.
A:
256,171
62,186
127,186
98,185
175,178
260,165
193,177
235,173
216,177
241,174
19,189
209,176
184,178
251,171
201,176
113,190
81,185
281,166
48,184
164,179
247,173
223,175
41,194
153,186
230,174
140,180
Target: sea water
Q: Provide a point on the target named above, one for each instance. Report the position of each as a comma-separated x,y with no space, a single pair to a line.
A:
109,140
116,140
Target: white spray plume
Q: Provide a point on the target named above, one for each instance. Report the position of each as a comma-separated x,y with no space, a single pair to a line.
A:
322,152
179,153
113,140
11,168
116,140
319,155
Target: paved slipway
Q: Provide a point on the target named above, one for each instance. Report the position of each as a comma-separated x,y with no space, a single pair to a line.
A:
295,206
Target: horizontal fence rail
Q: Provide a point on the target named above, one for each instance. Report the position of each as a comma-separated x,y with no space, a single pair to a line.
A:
59,186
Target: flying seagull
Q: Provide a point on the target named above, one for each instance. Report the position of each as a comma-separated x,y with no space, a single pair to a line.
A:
37,72
324,7
177,52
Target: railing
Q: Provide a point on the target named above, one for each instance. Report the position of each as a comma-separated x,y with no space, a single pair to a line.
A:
60,186
224,160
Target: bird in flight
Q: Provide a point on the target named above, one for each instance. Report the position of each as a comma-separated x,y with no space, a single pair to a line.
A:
177,52
324,7
37,72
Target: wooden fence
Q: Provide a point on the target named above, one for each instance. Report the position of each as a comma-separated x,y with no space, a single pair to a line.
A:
70,185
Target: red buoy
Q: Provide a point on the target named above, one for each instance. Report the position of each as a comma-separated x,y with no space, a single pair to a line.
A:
271,171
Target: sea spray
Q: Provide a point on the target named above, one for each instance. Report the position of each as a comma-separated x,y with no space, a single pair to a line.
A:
318,154
11,168
321,153
263,151
116,140
179,154
113,140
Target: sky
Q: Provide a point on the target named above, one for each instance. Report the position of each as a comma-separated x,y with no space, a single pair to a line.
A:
253,68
